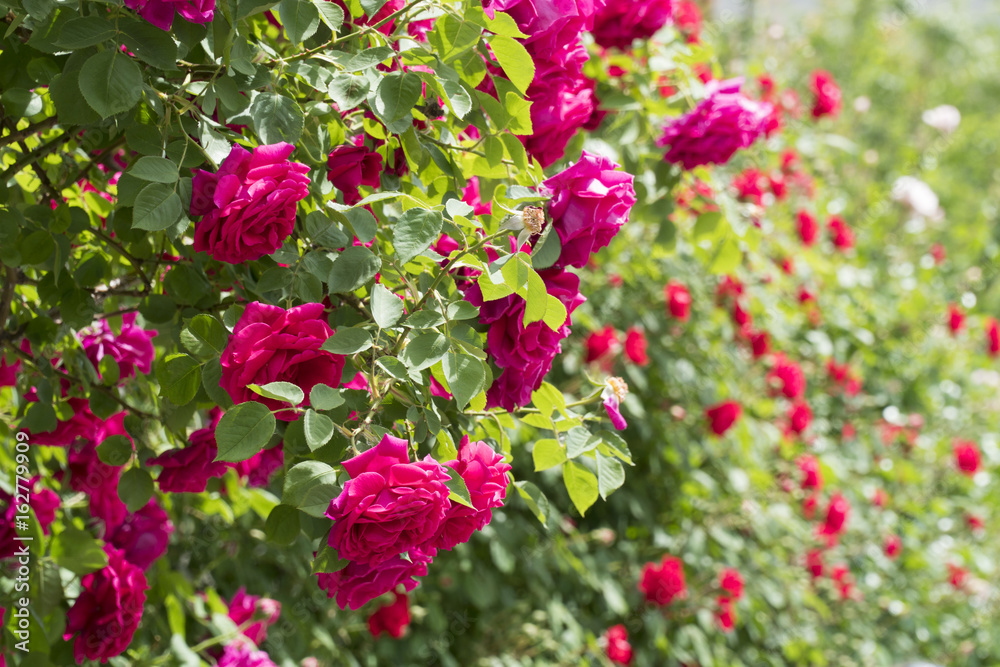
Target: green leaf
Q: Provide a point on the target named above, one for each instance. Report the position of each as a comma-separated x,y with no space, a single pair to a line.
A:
116,450
387,308
149,44
466,376
613,444
156,169
396,95
276,118
204,335
535,499
318,429
362,222
243,431
37,247
424,351
78,551
111,82
536,302
156,208
548,399
581,485
515,61
580,441
331,14
353,268
327,560
348,340
310,486
324,397
300,19
371,7
283,524
110,371
179,376
555,313
279,391
414,232
324,231
727,257
211,378
452,37
456,485
79,33
355,62
547,453
347,90
610,474
458,98
135,488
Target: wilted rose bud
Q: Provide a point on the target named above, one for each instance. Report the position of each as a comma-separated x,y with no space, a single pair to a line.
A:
534,219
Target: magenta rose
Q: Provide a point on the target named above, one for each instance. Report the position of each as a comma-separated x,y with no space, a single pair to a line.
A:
389,505
108,610
132,348
249,205
143,537
81,425
43,503
244,607
350,167
387,10
485,475
590,203
722,123
359,583
257,470
562,102
551,24
161,12
99,481
271,344
621,21
241,653
8,372
525,353
188,470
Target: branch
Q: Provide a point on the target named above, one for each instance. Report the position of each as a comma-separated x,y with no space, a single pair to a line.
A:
7,296
18,135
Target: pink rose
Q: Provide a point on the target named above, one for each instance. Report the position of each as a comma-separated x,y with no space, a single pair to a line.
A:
359,583
249,205
43,503
350,167
389,505
622,21
161,12
722,123
108,610
525,353
98,481
391,618
257,470
271,344
551,24
188,470
241,653
245,607
562,102
132,349
485,475
590,202
143,536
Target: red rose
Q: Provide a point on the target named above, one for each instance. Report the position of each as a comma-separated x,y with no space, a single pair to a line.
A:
893,546
601,345
826,94
966,456
812,477
662,583
678,300
808,227
837,513
725,614
956,318
723,415
731,582
350,167
619,651
787,377
841,235
993,336
391,618
635,346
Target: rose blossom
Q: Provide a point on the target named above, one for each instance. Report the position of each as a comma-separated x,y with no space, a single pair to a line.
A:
359,583
812,476
249,205
621,21
350,167
615,391
723,415
966,456
241,653
731,582
549,24
188,470
485,475
161,12
389,505
826,94
678,300
98,481
590,202
391,618
808,228
143,536
601,344
799,417
131,349
618,650
956,318
837,513
787,377
687,16
524,352
43,503
245,607
722,123
664,582
893,546
725,615
271,344
992,336
257,470
562,102
635,346
107,612
814,562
